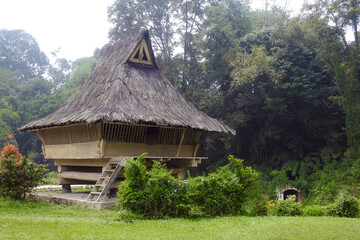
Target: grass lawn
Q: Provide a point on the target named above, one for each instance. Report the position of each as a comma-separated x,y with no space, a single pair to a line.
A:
39,220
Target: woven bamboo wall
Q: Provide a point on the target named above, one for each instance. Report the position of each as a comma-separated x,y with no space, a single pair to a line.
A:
70,134
117,132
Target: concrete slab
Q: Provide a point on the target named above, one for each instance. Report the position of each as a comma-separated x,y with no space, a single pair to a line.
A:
72,199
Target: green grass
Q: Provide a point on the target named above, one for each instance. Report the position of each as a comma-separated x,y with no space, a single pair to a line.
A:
39,220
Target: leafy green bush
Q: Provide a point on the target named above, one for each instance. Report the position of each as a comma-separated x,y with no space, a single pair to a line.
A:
158,194
314,210
153,194
330,210
347,206
288,207
18,175
126,216
261,205
224,191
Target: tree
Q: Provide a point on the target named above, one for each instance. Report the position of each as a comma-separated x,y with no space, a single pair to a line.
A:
59,72
129,17
226,22
342,60
278,97
174,25
20,53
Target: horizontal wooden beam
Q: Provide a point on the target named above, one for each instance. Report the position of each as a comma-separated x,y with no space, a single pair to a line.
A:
84,176
83,162
77,182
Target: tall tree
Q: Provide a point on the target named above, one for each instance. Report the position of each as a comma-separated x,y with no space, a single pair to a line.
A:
173,26
129,17
59,72
20,53
342,60
277,95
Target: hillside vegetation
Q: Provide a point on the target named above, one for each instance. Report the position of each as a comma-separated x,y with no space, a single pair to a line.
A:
289,85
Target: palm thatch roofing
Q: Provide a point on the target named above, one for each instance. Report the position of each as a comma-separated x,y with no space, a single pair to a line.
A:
120,90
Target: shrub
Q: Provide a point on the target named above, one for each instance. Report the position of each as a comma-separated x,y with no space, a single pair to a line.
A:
288,207
224,191
152,194
163,193
262,205
18,175
158,194
330,210
347,206
127,216
314,210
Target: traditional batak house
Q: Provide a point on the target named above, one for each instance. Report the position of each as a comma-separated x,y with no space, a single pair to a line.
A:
125,108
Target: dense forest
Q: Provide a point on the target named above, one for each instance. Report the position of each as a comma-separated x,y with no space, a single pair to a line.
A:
289,85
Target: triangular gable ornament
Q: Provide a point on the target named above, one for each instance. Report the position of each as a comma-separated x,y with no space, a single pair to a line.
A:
141,54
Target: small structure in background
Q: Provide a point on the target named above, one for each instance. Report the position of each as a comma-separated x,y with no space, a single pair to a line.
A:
288,190
125,108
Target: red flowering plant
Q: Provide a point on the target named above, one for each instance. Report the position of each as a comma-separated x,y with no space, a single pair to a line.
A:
18,175
7,138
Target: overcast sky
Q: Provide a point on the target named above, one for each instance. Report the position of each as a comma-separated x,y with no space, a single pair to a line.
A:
78,27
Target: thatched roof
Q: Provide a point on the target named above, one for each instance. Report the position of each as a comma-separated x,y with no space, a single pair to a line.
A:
122,91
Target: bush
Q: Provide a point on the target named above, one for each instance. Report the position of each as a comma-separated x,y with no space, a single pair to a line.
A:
18,175
330,210
224,191
262,205
126,216
153,194
347,206
288,207
157,194
314,210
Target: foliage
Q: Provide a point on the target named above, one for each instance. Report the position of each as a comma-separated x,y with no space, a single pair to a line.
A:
153,194
331,210
51,178
344,60
288,85
314,210
274,84
21,54
347,206
288,207
262,206
158,194
224,191
127,216
18,175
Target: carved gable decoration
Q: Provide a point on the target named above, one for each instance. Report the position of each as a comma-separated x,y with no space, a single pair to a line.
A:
141,54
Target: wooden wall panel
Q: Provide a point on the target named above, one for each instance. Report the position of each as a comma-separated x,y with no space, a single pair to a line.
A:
73,151
135,149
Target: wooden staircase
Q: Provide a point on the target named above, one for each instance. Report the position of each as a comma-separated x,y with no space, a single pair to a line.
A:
106,179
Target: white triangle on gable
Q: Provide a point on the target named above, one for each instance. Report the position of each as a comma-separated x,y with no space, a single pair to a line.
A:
141,54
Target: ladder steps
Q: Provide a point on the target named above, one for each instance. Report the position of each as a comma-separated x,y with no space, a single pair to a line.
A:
110,173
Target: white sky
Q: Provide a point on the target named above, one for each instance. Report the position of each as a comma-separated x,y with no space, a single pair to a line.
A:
77,26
